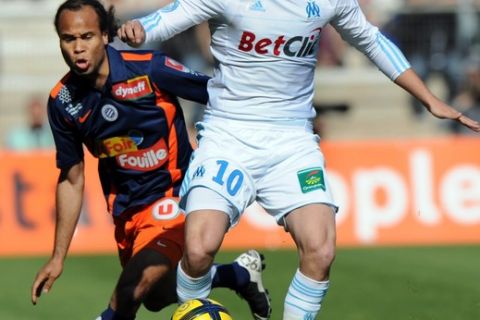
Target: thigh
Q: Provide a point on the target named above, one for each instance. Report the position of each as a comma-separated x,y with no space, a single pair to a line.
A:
205,230
311,226
297,178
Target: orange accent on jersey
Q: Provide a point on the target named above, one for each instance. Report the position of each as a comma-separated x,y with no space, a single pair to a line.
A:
83,118
54,92
111,197
164,102
129,56
175,173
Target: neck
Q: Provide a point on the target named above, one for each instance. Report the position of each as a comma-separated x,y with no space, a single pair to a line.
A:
102,75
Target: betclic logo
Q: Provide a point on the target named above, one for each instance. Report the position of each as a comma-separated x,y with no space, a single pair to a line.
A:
296,46
132,89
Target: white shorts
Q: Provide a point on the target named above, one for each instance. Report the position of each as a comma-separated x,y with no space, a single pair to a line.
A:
278,165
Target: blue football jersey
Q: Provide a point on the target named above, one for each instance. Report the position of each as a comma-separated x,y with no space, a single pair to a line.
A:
134,125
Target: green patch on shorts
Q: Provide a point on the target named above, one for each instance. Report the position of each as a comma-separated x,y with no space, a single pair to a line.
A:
311,179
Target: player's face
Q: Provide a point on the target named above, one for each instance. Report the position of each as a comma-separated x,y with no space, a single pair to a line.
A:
82,42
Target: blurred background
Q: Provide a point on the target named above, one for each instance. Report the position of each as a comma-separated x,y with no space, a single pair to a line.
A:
441,39
408,184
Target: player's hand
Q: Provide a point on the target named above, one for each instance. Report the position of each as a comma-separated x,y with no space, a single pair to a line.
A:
132,33
443,111
45,278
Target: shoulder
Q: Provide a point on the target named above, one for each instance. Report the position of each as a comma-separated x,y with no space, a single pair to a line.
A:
59,88
61,94
65,97
342,5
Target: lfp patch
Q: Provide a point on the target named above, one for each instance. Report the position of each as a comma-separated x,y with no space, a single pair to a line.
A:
311,179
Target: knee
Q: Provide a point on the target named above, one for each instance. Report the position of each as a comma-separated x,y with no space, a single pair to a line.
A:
326,254
198,258
134,288
318,256
133,291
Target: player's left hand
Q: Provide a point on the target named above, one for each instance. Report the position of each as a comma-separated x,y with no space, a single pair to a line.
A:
45,278
132,33
443,111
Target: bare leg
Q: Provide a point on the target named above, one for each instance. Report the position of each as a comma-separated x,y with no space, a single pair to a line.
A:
313,229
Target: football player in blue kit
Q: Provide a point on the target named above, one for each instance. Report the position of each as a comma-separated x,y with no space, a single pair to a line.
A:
123,107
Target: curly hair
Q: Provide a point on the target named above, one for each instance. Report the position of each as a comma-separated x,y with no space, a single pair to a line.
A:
106,18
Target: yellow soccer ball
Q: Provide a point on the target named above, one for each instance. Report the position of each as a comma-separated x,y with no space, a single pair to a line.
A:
201,309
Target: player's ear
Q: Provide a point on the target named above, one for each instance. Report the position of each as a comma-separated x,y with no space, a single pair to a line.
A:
105,38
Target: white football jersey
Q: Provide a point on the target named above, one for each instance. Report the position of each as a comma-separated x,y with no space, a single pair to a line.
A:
265,50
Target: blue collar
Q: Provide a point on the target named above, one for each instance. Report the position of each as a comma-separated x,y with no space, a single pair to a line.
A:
118,69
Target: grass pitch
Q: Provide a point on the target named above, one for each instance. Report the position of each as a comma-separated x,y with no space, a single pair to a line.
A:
417,283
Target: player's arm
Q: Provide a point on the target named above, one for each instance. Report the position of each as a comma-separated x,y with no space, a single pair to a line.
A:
353,26
410,81
169,20
69,192
69,195
179,80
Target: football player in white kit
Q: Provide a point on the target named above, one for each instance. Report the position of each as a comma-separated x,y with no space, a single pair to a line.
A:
256,140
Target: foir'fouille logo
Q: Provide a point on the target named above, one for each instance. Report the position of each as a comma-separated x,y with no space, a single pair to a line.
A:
311,179
145,159
132,89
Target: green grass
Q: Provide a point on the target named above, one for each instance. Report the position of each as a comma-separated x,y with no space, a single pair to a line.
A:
437,283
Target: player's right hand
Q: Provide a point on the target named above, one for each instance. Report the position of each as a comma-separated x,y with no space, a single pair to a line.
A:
45,278
132,33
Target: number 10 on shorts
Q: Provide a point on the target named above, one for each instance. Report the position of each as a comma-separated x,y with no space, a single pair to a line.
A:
231,179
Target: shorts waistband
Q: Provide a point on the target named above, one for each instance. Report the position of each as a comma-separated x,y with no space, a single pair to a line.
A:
305,124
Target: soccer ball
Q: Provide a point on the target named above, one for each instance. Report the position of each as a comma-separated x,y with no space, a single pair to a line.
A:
201,309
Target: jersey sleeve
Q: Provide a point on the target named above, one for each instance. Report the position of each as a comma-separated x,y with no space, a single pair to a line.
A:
179,80
178,16
68,145
354,28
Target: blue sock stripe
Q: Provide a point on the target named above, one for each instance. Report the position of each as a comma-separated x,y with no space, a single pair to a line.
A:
187,284
316,295
297,307
301,287
303,299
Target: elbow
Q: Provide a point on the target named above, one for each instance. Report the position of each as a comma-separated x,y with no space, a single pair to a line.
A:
74,175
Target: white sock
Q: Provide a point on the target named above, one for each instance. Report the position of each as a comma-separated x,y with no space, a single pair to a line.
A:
304,298
213,271
192,288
